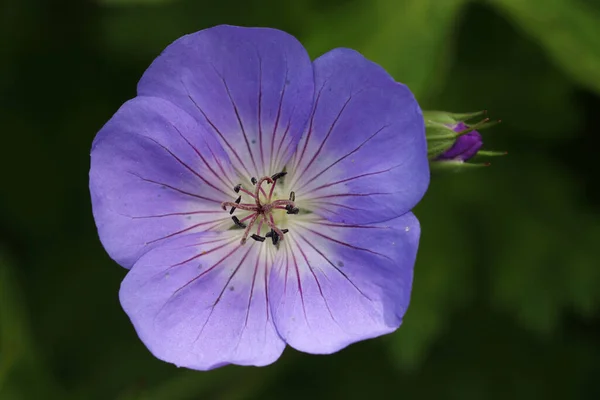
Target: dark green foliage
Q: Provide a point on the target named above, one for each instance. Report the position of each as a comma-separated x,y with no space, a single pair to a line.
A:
507,285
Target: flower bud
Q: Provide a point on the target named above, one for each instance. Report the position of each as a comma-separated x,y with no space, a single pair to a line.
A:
452,142
465,146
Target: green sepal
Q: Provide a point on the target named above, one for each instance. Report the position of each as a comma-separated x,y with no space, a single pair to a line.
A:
486,153
444,117
438,148
454,165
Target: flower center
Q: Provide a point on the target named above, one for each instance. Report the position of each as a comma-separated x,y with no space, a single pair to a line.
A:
262,210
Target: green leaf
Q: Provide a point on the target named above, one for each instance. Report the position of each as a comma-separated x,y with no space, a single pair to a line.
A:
410,39
567,29
20,363
512,77
542,259
132,2
442,273
13,335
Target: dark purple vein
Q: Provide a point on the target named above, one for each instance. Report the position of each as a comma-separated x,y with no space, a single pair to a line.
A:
252,288
272,155
219,177
180,161
347,180
348,225
310,127
226,256
344,243
266,283
260,137
326,136
207,242
316,281
300,286
336,204
231,183
342,158
239,119
218,132
212,309
203,253
176,213
333,265
279,154
175,189
187,229
287,261
351,195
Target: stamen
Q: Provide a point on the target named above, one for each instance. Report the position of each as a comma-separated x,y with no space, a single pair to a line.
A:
237,202
286,203
260,223
249,193
237,222
270,233
243,206
260,189
246,218
247,231
278,175
261,211
292,210
271,223
275,238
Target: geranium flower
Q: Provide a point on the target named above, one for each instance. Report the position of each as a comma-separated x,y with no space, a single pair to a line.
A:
259,199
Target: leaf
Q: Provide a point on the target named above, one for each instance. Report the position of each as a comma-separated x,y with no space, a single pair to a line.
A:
443,272
542,260
410,39
567,29
132,2
13,338
511,76
20,364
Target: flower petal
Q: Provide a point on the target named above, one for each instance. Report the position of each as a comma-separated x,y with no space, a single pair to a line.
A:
200,301
363,157
339,284
154,175
252,87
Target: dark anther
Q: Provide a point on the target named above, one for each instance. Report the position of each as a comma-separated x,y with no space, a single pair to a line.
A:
258,238
278,175
237,188
275,238
238,202
253,180
293,196
237,222
294,210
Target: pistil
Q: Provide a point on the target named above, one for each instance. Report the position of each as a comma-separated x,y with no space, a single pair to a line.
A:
261,212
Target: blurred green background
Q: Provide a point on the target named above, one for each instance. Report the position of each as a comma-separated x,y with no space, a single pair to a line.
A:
507,285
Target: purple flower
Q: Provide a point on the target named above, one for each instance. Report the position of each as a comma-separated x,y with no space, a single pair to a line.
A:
317,166
465,147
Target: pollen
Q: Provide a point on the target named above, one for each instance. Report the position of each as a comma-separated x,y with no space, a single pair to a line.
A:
263,210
